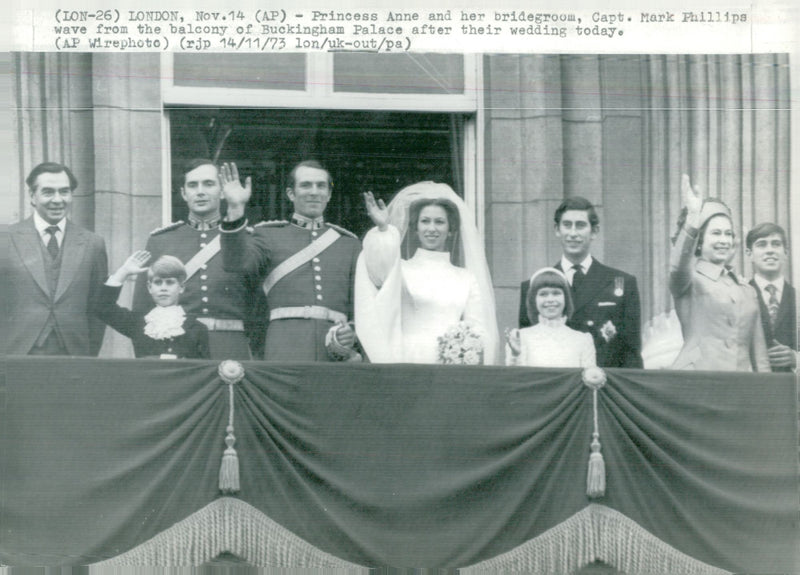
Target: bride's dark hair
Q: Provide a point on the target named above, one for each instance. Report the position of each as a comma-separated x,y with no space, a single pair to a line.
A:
452,244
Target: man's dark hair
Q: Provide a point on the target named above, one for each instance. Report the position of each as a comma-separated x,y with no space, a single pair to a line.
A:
308,164
763,230
50,168
578,203
193,164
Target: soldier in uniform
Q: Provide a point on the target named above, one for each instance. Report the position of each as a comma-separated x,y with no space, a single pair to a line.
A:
219,299
307,267
606,300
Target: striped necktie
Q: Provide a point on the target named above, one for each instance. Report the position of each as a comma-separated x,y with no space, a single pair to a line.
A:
773,304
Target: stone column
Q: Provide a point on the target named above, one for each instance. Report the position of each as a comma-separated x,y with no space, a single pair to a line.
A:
128,160
524,171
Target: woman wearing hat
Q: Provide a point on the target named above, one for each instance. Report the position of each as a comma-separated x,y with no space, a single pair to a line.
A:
718,311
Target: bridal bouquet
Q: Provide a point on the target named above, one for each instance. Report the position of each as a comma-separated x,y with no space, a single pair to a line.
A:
461,344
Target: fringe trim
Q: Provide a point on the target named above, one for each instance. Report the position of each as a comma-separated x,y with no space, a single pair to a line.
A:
233,526
596,533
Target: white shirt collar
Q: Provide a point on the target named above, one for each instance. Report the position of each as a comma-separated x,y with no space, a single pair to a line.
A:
41,225
566,266
763,282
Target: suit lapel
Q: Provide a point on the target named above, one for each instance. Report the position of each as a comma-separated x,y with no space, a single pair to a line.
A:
72,251
594,281
762,305
27,241
786,309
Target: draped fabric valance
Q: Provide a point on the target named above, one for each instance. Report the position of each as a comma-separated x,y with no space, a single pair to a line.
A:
393,465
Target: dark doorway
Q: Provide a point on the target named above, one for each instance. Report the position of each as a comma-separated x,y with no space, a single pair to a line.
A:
378,151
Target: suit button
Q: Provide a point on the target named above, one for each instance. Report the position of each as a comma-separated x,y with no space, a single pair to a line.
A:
317,268
319,287
205,310
204,267
205,299
319,296
204,277
204,288
204,235
202,244
314,234
318,278
589,322
315,260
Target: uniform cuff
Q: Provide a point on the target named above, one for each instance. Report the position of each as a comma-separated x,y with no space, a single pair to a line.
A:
234,226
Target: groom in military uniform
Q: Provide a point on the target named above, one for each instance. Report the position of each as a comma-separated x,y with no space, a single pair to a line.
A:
306,266
605,300
219,299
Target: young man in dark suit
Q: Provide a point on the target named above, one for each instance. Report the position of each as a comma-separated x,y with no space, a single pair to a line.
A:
767,249
54,271
606,300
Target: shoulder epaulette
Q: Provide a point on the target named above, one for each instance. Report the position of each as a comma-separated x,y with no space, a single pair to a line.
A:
167,228
343,231
272,224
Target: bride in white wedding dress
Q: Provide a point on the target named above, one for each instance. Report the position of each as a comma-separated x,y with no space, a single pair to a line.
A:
422,270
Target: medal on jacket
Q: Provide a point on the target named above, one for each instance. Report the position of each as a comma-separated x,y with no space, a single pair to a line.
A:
619,285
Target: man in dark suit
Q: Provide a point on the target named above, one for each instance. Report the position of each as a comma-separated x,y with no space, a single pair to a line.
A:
54,270
606,300
767,248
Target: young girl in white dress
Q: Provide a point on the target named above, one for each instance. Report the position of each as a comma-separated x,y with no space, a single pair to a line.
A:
421,271
549,342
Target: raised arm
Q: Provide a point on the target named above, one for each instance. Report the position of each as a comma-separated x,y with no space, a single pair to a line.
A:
105,306
682,254
234,193
381,246
240,252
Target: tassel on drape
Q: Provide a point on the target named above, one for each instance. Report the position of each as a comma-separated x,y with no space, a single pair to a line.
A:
595,378
596,476
231,372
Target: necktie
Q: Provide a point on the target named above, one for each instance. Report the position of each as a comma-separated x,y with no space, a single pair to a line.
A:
52,244
772,304
577,277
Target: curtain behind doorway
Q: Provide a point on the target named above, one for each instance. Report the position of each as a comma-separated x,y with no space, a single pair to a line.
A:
380,152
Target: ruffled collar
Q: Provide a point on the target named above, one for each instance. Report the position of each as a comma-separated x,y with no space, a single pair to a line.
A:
423,255
555,322
164,322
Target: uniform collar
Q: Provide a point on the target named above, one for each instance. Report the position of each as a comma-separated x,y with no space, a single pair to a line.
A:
203,225
307,223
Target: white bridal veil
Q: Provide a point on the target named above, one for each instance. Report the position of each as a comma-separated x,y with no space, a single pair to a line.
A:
378,310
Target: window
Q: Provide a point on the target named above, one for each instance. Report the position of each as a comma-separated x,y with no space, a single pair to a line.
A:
378,122
364,151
